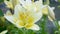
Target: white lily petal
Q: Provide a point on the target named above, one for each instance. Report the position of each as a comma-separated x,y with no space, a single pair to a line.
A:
9,4
14,2
10,18
35,15
22,2
38,16
18,9
39,2
26,4
19,24
35,27
13,20
28,1
4,32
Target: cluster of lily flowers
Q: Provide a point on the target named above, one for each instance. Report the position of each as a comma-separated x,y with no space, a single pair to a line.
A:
27,13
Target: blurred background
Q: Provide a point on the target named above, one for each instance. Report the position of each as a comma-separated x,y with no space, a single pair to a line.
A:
50,26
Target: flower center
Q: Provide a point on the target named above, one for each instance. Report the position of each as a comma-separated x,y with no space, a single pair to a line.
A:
26,18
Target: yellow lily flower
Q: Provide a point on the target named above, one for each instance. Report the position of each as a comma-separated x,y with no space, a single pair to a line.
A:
26,15
47,10
4,32
11,3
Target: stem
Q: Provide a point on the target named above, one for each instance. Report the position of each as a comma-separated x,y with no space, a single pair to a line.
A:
23,30
33,0
57,25
46,2
43,24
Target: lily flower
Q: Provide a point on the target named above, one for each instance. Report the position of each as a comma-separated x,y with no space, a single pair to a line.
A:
4,32
11,3
47,10
26,15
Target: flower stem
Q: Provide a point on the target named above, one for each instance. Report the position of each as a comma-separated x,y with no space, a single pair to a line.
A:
43,24
57,25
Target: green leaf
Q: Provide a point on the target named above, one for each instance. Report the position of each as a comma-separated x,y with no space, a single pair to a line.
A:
58,0
1,13
30,32
1,1
13,30
43,25
58,6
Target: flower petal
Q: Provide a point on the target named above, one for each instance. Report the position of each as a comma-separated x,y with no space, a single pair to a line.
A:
19,24
38,2
14,21
35,27
17,10
9,4
28,5
4,32
14,2
25,3
10,18
28,1
36,15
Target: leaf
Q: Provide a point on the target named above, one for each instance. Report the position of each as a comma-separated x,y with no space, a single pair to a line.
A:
13,30
58,0
30,32
1,1
1,13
